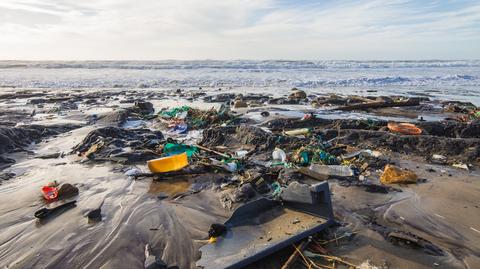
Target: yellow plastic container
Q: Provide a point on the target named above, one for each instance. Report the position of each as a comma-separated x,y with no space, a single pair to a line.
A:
168,164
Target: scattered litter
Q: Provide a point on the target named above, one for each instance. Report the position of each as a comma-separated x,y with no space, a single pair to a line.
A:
174,149
473,229
50,193
241,153
279,155
367,265
460,165
332,170
302,131
439,158
393,174
133,172
404,128
168,164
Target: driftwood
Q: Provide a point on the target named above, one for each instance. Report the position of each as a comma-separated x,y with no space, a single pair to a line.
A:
295,254
213,151
382,104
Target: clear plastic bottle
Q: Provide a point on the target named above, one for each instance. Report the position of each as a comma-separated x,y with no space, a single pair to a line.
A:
279,155
332,170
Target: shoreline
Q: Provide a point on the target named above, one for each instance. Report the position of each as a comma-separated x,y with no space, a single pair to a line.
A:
441,210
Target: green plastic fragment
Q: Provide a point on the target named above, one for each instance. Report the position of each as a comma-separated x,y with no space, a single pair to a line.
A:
172,113
173,149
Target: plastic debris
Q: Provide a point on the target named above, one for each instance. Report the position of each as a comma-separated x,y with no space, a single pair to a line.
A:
460,165
362,153
302,131
241,153
404,128
311,173
50,193
175,112
180,128
279,155
232,166
174,149
168,164
393,174
332,170
277,189
133,172
437,158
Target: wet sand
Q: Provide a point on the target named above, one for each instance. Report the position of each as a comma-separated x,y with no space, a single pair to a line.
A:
444,210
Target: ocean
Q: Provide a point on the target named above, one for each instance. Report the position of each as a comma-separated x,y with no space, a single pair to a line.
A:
453,80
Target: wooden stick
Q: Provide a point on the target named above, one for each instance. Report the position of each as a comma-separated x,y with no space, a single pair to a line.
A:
336,239
378,105
338,259
215,166
213,151
295,254
309,261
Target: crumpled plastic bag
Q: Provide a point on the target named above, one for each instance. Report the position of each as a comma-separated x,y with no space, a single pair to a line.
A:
393,174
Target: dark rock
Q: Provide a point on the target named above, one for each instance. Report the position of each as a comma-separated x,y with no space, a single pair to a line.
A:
95,215
376,188
242,135
280,124
297,94
143,108
219,98
283,101
6,162
16,138
240,104
50,156
7,176
461,149
243,193
114,118
216,230
472,130
153,262
67,190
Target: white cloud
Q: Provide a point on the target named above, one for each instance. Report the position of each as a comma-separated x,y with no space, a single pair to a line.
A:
233,29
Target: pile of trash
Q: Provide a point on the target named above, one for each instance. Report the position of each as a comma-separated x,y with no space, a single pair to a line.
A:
283,166
183,118
120,145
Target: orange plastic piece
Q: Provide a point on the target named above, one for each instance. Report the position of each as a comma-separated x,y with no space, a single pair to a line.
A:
168,164
50,193
392,174
404,128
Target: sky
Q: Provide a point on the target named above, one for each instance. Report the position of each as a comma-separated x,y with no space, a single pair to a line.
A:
239,29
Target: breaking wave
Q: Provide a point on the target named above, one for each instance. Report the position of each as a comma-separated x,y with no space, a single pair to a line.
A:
237,64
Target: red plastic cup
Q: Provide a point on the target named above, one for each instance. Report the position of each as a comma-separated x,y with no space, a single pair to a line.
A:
50,193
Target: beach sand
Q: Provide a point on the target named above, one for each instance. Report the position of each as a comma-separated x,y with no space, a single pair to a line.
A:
443,210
